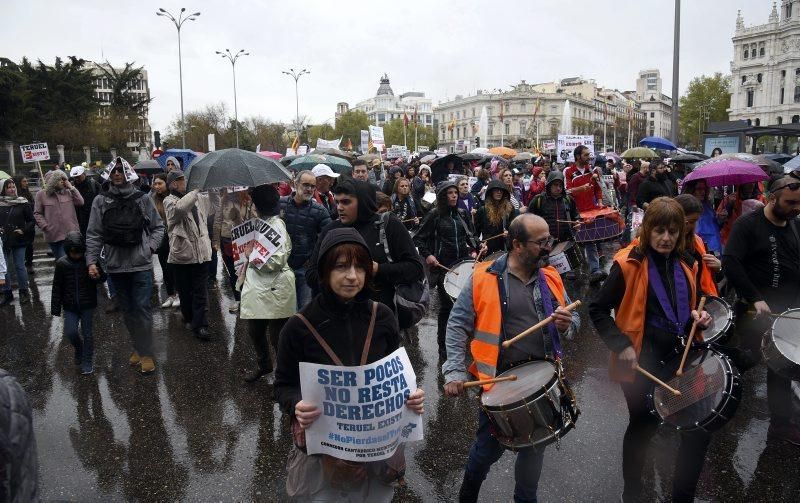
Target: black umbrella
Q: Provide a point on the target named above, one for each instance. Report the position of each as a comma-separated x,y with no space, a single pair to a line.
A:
439,169
685,158
426,152
148,167
232,167
470,157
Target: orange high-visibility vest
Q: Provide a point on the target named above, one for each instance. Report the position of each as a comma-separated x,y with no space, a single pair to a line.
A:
707,283
630,313
485,346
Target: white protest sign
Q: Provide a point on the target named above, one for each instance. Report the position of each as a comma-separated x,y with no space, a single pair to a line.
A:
364,140
376,132
568,142
440,151
394,152
328,143
212,143
266,241
364,417
637,216
461,146
241,236
560,262
549,145
422,148
35,152
290,151
302,150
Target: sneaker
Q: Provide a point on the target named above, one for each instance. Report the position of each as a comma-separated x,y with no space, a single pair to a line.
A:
148,365
87,369
135,359
234,308
168,303
176,301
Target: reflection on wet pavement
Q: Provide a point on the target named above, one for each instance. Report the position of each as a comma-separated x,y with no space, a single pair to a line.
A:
194,432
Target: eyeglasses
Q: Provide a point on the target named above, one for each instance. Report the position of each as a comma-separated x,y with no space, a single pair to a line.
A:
547,242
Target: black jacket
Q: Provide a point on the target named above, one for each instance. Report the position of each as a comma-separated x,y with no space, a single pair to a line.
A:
19,478
73,289
303,224
556,211
651,189
484,228
344,327
446,234
406,265
89,189
16,214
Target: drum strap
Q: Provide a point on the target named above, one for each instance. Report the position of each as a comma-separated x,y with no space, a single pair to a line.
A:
679,315
547,305
327,348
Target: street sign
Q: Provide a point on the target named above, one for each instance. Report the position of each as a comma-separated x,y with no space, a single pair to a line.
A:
35,152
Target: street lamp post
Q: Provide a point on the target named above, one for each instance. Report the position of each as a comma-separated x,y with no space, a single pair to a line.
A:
232,58
178,23
295,74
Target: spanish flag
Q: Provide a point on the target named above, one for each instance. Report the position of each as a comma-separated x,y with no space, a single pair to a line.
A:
296,143
370,146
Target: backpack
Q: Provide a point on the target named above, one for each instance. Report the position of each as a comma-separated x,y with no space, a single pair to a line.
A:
123,221
411,299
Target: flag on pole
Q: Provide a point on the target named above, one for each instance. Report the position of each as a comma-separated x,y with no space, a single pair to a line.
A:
536,109
415,117
370,145
296,143
452,125
405,119
348,145
501,110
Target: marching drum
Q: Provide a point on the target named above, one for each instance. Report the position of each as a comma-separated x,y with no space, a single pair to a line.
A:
457,278
710,392
723,318
781,346
565,257
494,256
602,224
536,409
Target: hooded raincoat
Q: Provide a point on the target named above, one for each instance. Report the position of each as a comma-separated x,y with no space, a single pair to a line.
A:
55,211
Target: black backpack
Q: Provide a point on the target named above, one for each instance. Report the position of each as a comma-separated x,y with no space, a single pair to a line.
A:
123,221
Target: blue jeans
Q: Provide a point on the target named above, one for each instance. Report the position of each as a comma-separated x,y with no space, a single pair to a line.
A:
58,249
83,345
133,298
592,257
486,450
302,290
16,254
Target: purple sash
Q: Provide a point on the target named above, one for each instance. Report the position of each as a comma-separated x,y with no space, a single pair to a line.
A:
675,321
547,305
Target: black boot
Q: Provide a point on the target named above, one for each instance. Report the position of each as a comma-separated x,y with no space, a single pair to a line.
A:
7,298
256,375
469,490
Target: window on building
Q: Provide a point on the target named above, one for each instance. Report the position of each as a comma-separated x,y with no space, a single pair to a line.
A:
521,106
759,77
750,96
744,79
490,130
780,120
758,122
780,96
788,10
507,106
473,111
489,111
458,115
749,122
746,52
381,117
797,94
753,50
507,128
523,126
761,51
652,115
553,109
797,72
783,73
451,134
795,119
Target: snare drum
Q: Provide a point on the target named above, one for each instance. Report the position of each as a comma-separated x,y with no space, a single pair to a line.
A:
494,256
723,320
457,277
605,225
781,347
565,257
536,409
710,392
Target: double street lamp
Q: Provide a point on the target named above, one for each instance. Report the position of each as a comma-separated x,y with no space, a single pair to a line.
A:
178,22
295,74
233,58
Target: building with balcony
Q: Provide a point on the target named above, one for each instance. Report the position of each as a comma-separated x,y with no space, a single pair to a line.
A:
385,106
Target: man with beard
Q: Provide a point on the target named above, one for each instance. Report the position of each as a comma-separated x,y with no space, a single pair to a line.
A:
126,226
658,184
305,219
189,250
762,262
504,298
89,188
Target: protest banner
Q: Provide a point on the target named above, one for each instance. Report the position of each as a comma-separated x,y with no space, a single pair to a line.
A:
461,146
290,151
548,145
376,132
422,148
394,152
364,141
328,143
35,152
241,236
440,152
364,417
266,241
568,142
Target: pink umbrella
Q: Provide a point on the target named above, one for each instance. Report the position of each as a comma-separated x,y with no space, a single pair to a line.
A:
271,155
727,172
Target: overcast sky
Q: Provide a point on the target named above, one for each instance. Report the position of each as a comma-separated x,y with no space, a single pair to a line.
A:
442,48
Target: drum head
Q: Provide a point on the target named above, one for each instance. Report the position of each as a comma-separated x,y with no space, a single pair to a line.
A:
494,256
702,388
531,377
722,314
456,279
786,335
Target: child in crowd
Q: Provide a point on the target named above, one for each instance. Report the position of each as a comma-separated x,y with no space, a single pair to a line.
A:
76,293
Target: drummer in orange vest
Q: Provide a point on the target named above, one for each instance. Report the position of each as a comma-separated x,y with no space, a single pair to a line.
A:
708,264
504,298
652,288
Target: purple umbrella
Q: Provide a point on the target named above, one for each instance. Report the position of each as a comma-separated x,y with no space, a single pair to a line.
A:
728,172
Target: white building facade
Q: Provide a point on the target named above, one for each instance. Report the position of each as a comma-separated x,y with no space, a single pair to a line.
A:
655,105
385,106
765,70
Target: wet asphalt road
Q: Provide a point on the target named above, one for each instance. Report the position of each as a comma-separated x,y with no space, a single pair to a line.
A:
193,432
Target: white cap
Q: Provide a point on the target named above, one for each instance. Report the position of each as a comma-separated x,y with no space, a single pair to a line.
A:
76,171
324,170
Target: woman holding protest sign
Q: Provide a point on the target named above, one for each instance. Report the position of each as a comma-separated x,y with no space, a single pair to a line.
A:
340,326
235,209
267,284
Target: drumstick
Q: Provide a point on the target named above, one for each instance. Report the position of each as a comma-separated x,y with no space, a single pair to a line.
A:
784,316
471,384
657,381
495,237
576,222
691,336
539,325
447,269
409,220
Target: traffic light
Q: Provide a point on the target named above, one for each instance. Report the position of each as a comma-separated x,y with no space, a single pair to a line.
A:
477,142
157,138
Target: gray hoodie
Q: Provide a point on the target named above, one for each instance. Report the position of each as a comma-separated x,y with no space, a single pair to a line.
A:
123,259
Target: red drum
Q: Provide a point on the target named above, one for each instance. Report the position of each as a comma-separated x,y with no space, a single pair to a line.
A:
598,225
